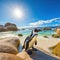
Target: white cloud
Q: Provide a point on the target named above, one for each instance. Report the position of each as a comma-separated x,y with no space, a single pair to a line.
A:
56,25
40,22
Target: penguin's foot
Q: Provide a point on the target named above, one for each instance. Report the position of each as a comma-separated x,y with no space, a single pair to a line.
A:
29,52
34,49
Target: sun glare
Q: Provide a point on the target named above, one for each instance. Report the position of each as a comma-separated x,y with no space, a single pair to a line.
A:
18,13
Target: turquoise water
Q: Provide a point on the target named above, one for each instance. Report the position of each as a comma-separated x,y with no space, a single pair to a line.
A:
28,32
47,33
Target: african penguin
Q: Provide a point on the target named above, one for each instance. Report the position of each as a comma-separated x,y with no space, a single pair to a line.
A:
30,41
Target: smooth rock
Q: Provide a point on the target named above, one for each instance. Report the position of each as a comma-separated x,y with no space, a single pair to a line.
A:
58,31
56,50
2,28
9,44
8,27
11,27
46,28
6,56
13,40
8,48
24,56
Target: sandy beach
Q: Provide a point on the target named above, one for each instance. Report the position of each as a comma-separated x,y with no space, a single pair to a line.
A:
42,42
43,45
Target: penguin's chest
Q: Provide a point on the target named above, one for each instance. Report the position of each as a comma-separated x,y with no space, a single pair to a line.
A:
32,42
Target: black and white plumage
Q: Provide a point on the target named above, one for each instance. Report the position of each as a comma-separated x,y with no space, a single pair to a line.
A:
30,41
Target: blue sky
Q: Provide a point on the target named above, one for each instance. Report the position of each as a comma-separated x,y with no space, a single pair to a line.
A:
36,12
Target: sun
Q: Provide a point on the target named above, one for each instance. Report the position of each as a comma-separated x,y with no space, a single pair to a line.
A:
18,13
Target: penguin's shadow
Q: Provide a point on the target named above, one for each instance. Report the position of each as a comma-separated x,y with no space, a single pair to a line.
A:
36,54
31,51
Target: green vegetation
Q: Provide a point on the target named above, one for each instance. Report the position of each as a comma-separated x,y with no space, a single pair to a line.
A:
20,35
45,36
55,36
52,47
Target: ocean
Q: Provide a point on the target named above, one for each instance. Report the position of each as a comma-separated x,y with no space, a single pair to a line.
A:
28,32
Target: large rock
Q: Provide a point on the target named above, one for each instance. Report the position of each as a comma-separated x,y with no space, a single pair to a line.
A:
56,49
46,28
58,31
9,45
8,48
8,24
24,55
6,56
2,28
8,27
11,27
13,40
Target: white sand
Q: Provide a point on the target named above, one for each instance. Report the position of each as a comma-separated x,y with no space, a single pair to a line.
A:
43,44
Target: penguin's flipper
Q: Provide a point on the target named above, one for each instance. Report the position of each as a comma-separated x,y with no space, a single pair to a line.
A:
36,42
27,45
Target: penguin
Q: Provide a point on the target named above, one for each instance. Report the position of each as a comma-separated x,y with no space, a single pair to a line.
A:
30,41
